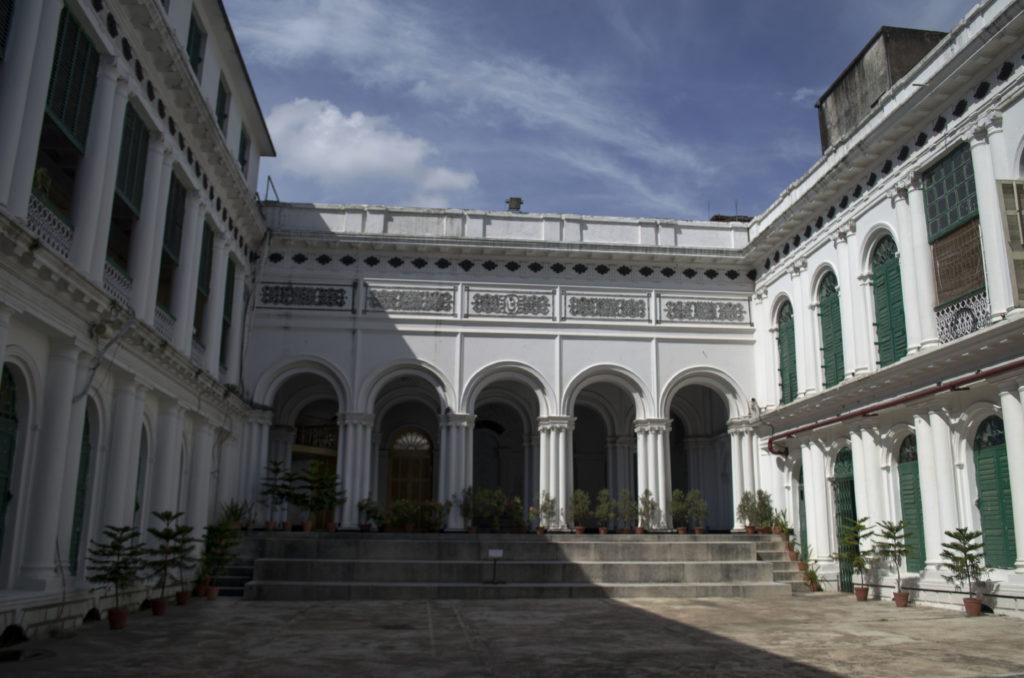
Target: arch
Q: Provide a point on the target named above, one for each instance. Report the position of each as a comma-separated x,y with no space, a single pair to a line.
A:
274,377
713,378
613,374
372,385
781,299
22,373
869,242
820,273
91,428
785,323
507,370
887,293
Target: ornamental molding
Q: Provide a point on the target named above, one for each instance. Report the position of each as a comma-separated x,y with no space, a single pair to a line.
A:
334,297
612,307
511,303
697,310
414,300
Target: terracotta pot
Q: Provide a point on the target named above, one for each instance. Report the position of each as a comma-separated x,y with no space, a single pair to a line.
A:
471,529
750,529
680,530
815,587
624,530
159,606
602,530
860,593
580,529
117,617
776,529
801,565
307,525
971,605
764,530
542,530
901,598
698,530
211,592
364,527
639,530
332,526
181,597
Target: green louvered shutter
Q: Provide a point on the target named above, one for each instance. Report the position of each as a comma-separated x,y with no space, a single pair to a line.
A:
803,518
910,500
846,510
131,168
787,353
890,326
992,475
8,441
203,287
229,304
6,15
81,489
72,81
831,331
195,45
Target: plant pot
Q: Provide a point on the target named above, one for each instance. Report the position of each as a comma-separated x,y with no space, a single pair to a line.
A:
602,530
971,605
181,597
117,617
639,530
410,527
364,527
271,525
698,530
332,526
580,529
542,530
680,530
901,598
159,606
211,592
471,529
764,530
801,565
307,525
750,529
814,587
624,530
860,593
201,589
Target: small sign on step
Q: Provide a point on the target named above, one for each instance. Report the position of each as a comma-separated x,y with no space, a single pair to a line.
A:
495,553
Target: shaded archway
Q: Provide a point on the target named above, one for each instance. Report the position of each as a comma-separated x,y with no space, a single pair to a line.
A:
699,449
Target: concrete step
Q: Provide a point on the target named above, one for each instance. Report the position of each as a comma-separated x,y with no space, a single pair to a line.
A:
301,590
434,571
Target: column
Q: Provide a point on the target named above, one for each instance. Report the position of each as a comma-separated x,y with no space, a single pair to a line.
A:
564,461
544,453
48,471
643,470
860,483
262,459
198,511
806,361
183,294
535,470
553,432
916,303
149,228
464,429
944,483
234,357
847,290
5,328
73,453
919,254
1013,426
25,82
227,463
352,440
213,322
169,428
747,451
661,448
736,459
875,489
860,333
812,461
998,274
926,461
124,450
103,209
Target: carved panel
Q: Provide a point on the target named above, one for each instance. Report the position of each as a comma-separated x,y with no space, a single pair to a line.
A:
688,310
510,304
612,307
410,300
310,296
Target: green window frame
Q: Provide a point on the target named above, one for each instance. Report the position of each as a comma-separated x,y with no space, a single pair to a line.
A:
229,303
196,45
950,194
243,151
787,353
992,479
203,286
223,105
131,168
8,441
174,222
81,490
72,81
6,16
890,325
910,501
846,510
830,321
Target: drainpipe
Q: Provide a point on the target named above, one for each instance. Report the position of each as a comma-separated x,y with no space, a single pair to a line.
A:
940,387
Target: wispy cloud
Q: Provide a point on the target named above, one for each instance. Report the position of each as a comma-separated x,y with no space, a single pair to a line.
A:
805,94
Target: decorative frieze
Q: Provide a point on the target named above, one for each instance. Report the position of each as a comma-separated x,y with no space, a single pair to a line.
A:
309,296
511,304
611,307
410,300
675,310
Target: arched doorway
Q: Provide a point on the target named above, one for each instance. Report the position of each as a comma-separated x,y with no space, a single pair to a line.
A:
8,443
81,492
407,440
411,466
500,444
992,476
910,501
604,413
590,453
699,451
846,511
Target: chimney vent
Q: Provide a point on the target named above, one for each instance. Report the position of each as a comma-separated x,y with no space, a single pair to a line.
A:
514,203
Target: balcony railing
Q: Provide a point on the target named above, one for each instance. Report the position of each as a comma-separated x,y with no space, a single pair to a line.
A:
198,352
164,322
50,228
323,437
963,316
117,283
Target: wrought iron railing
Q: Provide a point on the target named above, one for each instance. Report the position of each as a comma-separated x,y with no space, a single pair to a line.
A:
198,352
164,322
324,437
49,227
966,315
117,283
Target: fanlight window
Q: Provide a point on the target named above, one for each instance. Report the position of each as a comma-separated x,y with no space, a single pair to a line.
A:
411,441
990,434
908,449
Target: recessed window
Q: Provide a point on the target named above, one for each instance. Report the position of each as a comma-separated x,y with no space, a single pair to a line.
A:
196,45
223,105
243,152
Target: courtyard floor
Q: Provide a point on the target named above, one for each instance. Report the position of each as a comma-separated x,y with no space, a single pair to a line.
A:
808,635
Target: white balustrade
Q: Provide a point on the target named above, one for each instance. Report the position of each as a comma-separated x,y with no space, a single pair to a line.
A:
50,228
117,284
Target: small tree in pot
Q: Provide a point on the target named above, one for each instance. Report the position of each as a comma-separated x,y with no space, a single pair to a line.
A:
467,504
680,510
580,510
163,558
962,555
697,509
648,512
763,511
627,511
746,511
276,492
854,534
604,510
369,513
325,494
116,562
891,547
220,542
185,560
547,513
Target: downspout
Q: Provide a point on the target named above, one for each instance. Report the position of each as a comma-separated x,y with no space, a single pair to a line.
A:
940,387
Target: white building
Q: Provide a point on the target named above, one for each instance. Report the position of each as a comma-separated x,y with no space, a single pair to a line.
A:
854,350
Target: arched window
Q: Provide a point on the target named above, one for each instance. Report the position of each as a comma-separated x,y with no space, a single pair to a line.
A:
411,466
890,327
831,330
81,489
787,353
992,475
910,500
8,441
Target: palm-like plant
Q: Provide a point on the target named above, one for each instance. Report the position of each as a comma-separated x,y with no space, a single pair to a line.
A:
891,546
962,555
116,561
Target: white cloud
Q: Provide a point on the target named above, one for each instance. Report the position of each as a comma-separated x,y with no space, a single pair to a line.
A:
804,94
317,141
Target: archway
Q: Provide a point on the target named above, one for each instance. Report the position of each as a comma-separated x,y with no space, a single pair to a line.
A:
699,451
846,511
86,454
992,476
411,466
407,439
10,409
910,502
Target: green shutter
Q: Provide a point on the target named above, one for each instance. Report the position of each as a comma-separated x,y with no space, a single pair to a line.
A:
196,43
910,500
229,303
131,168
6,15
992,475
846,510
831,331
243,151
787,353
222,105
72,81
950,194
203,287
174,224
890,326
8,441
81,489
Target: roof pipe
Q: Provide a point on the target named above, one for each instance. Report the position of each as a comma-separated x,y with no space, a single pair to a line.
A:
940,387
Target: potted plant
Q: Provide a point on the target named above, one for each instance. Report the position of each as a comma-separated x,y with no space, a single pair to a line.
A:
220,542
514,515
697,509
962,556
163,559
891,547
604,510
234,513
547,513
853,535
793,550
580,510
467,503
648,512
627,511
811,577
680,510
324,493
746,511
185,559
763,511
277,488
369,513
116,562
780,525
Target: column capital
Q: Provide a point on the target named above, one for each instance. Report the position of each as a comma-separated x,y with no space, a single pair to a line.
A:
652,425
357,418
797,267
555,423
460,419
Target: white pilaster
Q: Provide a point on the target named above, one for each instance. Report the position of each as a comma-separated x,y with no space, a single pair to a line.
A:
213,322
149,228
354,433
73,453
847,291
124,446
736,460
917,300
108,169
942,447
169,428
234,357
926,461
198,511
1013,427
183,295
806,360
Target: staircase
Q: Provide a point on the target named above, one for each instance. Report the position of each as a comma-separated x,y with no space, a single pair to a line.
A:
341,566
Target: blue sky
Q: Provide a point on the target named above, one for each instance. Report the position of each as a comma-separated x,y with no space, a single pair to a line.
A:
658,108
